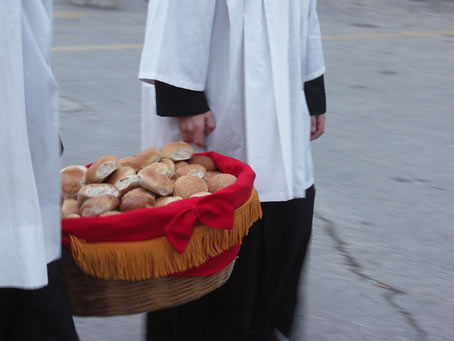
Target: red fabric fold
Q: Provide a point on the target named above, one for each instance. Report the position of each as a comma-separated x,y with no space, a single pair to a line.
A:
177,220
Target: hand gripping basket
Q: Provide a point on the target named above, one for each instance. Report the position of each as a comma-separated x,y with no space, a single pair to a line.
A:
151,259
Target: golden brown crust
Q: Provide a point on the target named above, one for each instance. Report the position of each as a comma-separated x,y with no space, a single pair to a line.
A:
200,194
204,161
155,182
69,207
119,174
180,164
96,206
96,190
108,213
170,164
147,157
72,179
163,201
193,170
101,169
210,174
125,179
177,151
73,216
219,181
186,186
137,200
129,161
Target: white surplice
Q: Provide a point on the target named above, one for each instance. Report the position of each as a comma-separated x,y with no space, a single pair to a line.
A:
29,145
251,57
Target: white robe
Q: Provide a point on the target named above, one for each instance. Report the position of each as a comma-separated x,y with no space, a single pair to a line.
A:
29,145
251,57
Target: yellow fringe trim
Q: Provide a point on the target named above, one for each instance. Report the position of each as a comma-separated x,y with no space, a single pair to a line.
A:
157,258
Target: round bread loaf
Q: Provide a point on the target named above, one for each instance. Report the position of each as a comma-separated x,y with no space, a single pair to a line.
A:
129,161
210,174
96,206
219,181
96,190
102,168
203,160
108,213
73,216
137,199
160,167
125,179
155,182
192,170
69,207
188,185
177,151
163,201
180,164
147,157
200,194
72,179
170,164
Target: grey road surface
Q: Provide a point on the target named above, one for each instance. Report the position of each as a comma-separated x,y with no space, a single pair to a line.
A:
382,257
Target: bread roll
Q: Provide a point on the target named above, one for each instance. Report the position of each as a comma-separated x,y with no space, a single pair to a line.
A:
155,182
96,190
147,157
163,201
69,207
73,216
219,181
187,185
129,161
200,194
108,213
72,179
180,164
204,161
102,168
210,174
170,164
125,179
192,170
160,167
137,199
177,151
96,206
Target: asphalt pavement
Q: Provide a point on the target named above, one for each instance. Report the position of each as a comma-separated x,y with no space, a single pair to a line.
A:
381,264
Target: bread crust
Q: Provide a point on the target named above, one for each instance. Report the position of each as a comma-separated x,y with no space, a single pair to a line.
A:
203,160
177,151
163,201
101,169
137,199
155,182
147,157
187,185
72,179
69,207
219,181
94,207
95,190
193,170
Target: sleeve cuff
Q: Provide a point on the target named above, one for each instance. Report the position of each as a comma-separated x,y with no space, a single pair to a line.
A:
172,101
314,91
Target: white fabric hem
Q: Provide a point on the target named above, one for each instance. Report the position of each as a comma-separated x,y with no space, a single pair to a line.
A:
285,196
178,82
315,74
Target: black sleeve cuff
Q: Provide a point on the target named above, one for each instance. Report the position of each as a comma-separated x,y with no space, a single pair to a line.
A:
316,96
172,101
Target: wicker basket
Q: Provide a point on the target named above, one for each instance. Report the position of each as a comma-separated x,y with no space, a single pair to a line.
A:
89,296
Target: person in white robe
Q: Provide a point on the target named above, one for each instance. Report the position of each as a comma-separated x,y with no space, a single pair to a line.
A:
33,303
243,78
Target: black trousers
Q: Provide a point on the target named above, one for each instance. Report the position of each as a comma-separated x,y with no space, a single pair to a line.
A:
41,315
262,293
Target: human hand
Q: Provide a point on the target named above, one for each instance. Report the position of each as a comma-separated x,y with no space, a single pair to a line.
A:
317,126
193,129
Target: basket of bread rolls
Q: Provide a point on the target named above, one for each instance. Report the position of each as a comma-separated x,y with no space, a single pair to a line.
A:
153,231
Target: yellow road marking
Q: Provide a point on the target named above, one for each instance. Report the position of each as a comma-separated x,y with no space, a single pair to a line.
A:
68,14
386,35
324,37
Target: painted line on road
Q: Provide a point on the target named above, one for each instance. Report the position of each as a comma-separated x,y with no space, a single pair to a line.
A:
386,35
324,37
